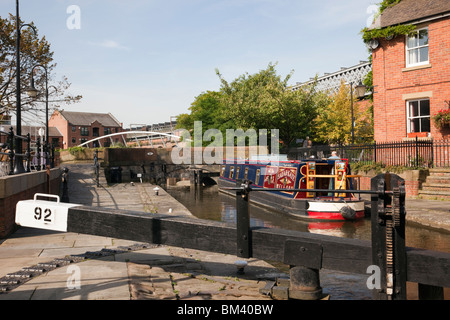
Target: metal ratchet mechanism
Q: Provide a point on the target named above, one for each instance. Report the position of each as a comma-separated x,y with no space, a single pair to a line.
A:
390,215
392,218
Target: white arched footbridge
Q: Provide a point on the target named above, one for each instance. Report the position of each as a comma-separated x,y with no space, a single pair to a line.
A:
138,137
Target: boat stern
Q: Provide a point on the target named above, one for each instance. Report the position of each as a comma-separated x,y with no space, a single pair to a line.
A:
336,210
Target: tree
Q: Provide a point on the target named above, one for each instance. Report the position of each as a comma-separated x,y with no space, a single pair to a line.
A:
265,101
33,51
207,108
334,125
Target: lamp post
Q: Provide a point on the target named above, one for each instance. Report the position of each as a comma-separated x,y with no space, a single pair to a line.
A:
18,163
360,91
33,92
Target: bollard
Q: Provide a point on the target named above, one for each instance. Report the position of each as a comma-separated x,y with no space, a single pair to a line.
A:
304,284
156,191
65,178
305,261
244,243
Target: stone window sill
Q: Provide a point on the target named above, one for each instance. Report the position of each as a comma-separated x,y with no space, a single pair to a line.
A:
424,66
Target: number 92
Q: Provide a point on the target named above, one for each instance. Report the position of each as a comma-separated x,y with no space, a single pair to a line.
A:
47,214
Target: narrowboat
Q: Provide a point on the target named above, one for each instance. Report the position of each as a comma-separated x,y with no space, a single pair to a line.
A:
328,175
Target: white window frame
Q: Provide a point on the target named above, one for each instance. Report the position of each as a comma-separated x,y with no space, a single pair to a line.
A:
409,117
407,49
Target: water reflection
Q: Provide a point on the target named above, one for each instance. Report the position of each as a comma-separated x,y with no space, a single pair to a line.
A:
210,204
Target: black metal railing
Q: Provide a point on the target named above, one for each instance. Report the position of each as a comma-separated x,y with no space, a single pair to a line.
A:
38,159
420,153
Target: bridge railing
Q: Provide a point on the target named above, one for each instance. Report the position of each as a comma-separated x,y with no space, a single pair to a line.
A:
385,260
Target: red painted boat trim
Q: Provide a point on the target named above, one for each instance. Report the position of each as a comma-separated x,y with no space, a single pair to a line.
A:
332,215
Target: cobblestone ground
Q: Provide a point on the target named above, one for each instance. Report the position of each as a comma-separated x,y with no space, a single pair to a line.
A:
197,275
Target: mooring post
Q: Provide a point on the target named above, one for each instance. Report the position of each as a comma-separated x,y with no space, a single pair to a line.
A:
243,220
388,236
305,261
304,284
65,192
28,152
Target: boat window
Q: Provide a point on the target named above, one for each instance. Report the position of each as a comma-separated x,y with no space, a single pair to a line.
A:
237,172
222,171
231,172
246,174
258,174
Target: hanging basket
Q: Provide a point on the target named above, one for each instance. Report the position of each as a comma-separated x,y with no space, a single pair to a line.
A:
442,119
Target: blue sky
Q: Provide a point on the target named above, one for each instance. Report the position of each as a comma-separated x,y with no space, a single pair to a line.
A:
146,60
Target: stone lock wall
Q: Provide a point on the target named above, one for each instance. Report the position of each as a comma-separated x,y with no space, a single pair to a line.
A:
23,187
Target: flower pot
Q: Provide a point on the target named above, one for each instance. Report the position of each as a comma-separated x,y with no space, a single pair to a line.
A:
418,134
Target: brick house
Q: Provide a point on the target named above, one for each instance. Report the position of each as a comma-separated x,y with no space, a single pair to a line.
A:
80,127
411,74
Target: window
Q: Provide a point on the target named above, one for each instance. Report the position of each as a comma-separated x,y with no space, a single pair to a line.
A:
417,51
258,174
418,115
74,129
84,131
107,131
231,172
74,140
96,132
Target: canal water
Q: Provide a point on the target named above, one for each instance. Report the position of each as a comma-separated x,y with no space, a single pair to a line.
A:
210,204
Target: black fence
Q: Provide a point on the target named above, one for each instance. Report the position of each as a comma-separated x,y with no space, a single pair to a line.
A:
34,158
418,153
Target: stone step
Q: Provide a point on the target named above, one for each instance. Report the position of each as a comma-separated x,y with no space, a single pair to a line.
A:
435,187
440,170
438,179
440,173
434,195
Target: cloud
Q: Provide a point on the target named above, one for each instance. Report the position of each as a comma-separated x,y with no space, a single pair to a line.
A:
110,44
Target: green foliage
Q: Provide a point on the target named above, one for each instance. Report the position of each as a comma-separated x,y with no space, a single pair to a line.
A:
388,3
207,108
380,167
388,32
334,124
33,51
76,150
264,101
442,118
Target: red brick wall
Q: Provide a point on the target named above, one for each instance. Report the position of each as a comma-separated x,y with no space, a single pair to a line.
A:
56,120
413,180
392,81
8,202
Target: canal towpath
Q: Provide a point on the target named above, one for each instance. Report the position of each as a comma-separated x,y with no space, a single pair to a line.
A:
116,269
143,271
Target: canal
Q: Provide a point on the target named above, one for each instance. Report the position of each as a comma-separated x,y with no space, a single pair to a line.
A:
210,204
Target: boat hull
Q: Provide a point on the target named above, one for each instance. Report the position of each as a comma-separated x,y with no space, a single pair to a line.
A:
308,209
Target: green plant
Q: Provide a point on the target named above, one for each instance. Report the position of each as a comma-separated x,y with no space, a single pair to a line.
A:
76,150
380,167
442,118
388,32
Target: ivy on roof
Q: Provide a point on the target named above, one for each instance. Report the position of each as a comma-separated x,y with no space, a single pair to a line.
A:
388,32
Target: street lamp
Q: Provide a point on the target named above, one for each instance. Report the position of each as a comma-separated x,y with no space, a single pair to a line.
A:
18,163
360,90
33,92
